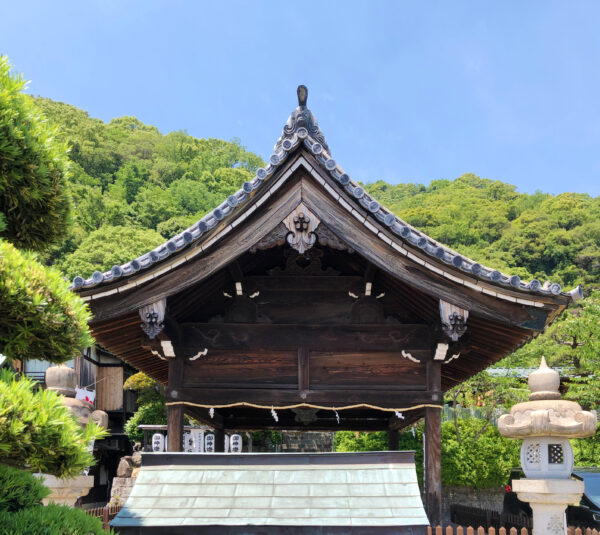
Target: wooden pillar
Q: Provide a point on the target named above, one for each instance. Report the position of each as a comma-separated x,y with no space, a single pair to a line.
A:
219,440
433,446
392,439
175,412
175,427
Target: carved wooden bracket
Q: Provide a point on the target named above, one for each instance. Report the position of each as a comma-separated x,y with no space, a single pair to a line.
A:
301,224
454,320
153,316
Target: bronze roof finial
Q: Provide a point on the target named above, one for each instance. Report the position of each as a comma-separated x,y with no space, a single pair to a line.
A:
302,95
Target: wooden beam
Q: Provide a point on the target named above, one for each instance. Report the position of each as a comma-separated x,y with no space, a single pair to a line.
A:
392,439
175,412
175,427
303,369
393,399
356,337
219,440
433,448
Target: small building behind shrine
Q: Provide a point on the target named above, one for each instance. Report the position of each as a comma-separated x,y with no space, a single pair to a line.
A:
301,302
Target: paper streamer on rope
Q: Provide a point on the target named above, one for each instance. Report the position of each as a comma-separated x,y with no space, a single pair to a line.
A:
274,414
304,405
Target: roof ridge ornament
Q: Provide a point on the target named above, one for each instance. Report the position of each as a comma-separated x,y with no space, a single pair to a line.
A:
302,95
300,124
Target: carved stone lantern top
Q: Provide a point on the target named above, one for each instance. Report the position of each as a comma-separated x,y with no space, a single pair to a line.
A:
546,415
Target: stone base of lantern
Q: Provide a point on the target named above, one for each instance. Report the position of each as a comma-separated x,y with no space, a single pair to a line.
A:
549,499
66,491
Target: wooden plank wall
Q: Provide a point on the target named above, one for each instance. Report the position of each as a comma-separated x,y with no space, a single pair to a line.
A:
109,388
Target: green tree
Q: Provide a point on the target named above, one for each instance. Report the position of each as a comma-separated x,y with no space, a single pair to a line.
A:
98,250
33,166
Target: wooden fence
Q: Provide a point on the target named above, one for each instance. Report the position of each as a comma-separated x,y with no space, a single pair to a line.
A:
449,530
105,514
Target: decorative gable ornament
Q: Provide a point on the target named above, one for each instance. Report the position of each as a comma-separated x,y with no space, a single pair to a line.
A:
301,225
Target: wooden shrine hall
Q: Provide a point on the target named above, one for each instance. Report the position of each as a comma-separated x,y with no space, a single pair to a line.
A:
302,303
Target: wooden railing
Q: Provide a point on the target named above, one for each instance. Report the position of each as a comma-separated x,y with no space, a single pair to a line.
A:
449,530
105,514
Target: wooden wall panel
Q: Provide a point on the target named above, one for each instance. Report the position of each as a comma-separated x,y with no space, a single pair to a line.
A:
364,369
109,388
240,367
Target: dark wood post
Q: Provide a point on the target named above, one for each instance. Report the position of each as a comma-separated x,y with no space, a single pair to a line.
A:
392,439
219,440
175,412
433,446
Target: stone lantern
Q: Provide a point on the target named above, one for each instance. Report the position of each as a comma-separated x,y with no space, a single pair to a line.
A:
545,424
63,380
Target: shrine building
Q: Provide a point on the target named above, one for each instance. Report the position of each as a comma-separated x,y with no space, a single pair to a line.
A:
302,296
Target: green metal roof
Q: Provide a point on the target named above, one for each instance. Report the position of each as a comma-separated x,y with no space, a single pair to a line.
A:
369,489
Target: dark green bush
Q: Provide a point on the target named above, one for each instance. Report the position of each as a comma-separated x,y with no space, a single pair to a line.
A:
51,520
40,318
19,489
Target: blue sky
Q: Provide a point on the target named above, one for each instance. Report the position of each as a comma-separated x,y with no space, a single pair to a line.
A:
403,91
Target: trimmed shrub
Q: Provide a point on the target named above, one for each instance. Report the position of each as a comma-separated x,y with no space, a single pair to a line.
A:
51,520
40,318
19,489
154,413
33,167
39,433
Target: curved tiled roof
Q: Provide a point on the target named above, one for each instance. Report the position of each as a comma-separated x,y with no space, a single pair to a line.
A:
302,128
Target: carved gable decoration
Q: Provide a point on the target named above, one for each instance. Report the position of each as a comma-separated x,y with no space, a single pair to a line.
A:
301,224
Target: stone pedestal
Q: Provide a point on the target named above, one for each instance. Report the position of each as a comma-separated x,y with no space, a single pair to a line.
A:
66,491
549,499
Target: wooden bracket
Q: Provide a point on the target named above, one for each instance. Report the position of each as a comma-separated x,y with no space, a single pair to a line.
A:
153,316
454,320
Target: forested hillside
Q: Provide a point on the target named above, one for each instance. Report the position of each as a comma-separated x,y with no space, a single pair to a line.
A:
135,187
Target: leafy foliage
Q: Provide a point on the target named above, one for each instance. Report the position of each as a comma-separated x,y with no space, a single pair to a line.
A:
98,251
483,458
539,235
39,317
355,441
153,413
34,201
20,489
39,433
126,174
51,519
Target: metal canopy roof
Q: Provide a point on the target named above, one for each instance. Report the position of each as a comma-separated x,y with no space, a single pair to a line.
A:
303,491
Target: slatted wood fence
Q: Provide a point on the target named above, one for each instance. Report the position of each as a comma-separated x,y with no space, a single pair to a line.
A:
106,514
449,530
